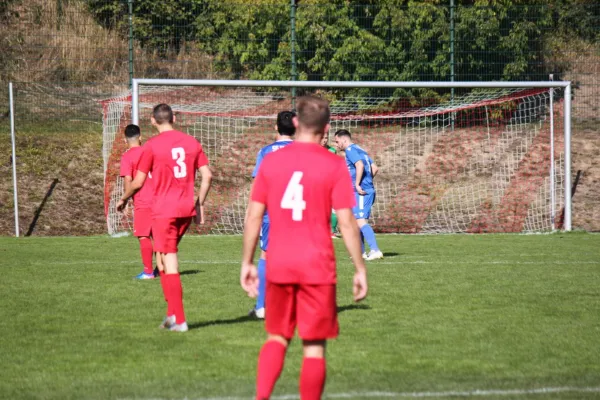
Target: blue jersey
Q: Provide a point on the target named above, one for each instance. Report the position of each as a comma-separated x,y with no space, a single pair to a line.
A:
270,148
354,154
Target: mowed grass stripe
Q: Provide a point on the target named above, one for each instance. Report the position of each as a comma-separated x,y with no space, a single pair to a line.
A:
490,311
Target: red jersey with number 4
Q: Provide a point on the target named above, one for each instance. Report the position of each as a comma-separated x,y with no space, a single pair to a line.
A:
173,158
299,185
129,163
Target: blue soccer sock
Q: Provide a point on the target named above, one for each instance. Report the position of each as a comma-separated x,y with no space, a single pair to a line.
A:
262,283
362,242
369,235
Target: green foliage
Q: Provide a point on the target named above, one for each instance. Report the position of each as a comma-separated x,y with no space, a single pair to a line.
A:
360,40
247,40
160,25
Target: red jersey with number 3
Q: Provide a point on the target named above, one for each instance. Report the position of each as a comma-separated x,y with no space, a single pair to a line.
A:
299,185
173,158
129,166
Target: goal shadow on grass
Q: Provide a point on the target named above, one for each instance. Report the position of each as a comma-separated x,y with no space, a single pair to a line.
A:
238,320
38,211
247,318
352,306
190,272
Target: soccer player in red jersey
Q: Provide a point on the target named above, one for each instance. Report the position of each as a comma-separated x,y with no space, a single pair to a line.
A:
299,185
142,200
173,158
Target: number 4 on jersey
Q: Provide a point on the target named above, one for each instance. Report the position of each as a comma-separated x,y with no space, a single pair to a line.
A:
293,197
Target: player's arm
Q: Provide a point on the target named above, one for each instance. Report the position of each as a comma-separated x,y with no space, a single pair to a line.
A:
126,172
351,236
144,166
360,170
259,158
132,189
127,179
256,209
374,169
248,273
127,183
205,184
355,158
201,164
342,202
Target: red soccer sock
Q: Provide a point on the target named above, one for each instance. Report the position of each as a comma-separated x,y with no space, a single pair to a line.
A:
175,297
270,364
146,250
165,288
312,378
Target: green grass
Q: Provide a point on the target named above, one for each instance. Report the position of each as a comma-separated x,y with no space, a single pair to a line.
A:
445,313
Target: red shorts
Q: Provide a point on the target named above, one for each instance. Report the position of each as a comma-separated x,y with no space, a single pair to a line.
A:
167,233
142,222
312,308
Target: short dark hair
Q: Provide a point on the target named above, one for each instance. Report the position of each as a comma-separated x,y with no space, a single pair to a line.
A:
132,131
162,113
342,133
285,123
313,113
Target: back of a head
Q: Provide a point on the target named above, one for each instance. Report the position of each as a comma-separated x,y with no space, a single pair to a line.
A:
343,133
162,114
132,131
285,123
313,113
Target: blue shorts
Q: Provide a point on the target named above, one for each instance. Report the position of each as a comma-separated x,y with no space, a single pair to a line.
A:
264,236
363,205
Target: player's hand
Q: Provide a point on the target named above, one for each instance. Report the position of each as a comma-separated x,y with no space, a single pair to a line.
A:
359,190
359,287
121,205
249,279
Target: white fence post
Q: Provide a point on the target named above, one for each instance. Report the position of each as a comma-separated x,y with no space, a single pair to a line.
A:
14,156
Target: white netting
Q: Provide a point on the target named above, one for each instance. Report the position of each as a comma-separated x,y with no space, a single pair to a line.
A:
477,163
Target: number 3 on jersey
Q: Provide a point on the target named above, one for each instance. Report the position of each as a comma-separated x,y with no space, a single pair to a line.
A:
180,170
293,197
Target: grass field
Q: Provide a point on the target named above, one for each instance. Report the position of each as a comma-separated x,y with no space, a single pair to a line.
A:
492,316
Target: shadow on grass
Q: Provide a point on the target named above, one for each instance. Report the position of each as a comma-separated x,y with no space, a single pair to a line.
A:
190,272
353,306
390,254
238,320
40,208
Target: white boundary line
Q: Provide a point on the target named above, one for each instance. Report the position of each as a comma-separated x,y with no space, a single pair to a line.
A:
413,395
194,236
375,263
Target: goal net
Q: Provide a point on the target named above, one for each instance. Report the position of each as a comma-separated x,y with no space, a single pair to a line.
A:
477,159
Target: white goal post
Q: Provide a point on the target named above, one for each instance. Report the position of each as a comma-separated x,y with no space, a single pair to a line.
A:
495,157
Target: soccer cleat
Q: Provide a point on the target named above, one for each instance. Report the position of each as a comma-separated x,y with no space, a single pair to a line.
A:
333,236
374,255
168,322
365,255
257,313
143,275
183,327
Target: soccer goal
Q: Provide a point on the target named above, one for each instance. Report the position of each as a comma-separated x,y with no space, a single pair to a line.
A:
454,157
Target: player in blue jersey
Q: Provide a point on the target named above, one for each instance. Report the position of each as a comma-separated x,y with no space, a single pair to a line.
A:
362,170
285,130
